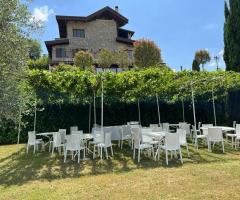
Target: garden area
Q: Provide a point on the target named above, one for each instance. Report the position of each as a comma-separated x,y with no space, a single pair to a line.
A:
109,127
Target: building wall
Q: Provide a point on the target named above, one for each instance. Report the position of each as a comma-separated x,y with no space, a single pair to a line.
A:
99,34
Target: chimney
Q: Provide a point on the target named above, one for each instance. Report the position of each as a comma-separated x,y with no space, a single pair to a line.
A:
116,9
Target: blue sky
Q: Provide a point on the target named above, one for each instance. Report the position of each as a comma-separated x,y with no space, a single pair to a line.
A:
178,27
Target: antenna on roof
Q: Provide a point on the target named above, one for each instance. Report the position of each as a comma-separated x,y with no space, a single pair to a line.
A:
116,8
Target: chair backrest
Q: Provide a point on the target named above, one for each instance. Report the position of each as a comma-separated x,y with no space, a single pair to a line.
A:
238,129
215,134
182,125
63,133
77,132
182,136
136,130
165,127
73,142
172,141
98,136
199,125
57,139
73,128
96,129
136,138
153,126
108,139
31,137
234,124
207,125
126,130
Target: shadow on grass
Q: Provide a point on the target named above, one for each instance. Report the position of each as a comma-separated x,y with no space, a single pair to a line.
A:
20,168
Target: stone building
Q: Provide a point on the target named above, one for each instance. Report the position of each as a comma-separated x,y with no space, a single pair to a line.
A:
102,29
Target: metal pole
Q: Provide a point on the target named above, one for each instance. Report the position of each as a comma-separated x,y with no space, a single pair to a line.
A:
19,126
94,105
183,110
35,116
102,106
159,117
194,113
139,113
214,108
89,119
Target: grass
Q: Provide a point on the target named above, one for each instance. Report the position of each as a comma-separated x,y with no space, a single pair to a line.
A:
41,176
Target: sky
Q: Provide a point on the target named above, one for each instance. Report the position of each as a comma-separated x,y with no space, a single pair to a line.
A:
178,27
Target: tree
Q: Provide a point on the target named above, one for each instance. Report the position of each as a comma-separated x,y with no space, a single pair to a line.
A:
232,35
34,49
83,59
120,58
195,66
106,58
202,57
15,28
146,53
41,63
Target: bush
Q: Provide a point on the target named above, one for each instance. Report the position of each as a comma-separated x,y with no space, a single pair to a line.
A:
83,59
146,53
42,63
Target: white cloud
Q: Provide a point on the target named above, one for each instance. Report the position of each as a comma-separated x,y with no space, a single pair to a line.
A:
221,53
41,14
210,27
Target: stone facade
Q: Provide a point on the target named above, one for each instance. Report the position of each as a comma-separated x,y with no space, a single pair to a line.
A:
99,34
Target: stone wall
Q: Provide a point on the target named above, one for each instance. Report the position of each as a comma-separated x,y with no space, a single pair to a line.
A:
99,34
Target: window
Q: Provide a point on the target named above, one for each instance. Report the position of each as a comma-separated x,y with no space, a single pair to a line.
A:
130,54
60,53
79,33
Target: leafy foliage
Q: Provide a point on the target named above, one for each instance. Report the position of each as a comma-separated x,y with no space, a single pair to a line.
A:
83,59
146,53
40,63
202,57
195,66
232,35
34,49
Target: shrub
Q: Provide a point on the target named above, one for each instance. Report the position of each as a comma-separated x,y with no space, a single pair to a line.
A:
83,59
146,53
42,63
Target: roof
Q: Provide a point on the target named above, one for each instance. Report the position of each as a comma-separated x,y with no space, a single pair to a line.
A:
51,43
125,40
104,13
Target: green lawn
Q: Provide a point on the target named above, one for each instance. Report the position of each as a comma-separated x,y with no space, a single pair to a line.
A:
42,176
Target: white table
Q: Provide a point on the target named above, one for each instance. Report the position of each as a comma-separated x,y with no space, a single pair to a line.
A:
48,135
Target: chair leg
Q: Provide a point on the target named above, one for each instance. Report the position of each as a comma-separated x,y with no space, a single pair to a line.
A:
139,151
78,155
223,146
134,153
84,153
180,152
112,151
187,150
101,153
166,152
28,146
94,148
65,155
52,149
106,152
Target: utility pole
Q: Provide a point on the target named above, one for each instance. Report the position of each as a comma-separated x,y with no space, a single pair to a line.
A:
216,58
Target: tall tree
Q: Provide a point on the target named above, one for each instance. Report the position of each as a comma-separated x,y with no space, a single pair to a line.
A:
232,35
146,53
15,29
202,57
34,49
83,59
195,66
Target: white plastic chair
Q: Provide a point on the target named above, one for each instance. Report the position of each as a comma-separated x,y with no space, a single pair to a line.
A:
172,144
138,144
125,134
32,141
215,135
237,139
73,128
57,142
74,144
98,137
183,139
233,135
166,127
63,133
104,145
197,134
